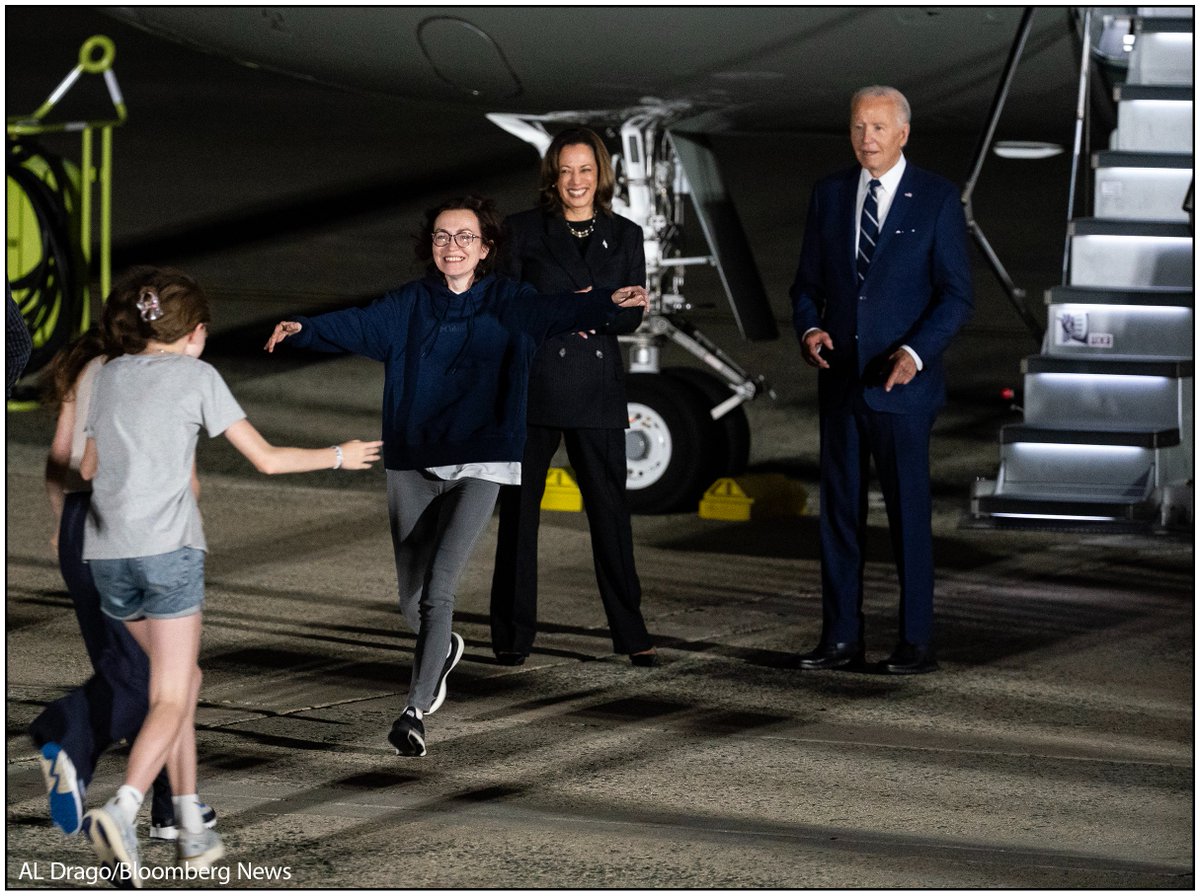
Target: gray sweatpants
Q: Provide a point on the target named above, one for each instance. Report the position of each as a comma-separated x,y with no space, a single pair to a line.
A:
435,525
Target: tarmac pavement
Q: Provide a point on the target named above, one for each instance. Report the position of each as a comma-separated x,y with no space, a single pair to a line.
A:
1054,749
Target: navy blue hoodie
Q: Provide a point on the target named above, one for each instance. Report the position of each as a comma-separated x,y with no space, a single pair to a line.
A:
456,367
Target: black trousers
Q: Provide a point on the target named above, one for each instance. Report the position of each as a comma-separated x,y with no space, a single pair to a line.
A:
598,459
111,705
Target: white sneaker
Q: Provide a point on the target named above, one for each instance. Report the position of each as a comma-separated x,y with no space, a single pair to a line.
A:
456,651
199,850
115,842
166,829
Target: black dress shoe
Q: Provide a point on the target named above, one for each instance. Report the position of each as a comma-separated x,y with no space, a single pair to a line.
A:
842,655
647,659
505,658
910,659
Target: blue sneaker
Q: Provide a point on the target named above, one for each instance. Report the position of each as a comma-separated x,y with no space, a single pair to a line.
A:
115,842
63,788
166,829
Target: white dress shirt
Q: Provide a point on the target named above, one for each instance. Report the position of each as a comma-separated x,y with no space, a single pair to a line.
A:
886,192
889,182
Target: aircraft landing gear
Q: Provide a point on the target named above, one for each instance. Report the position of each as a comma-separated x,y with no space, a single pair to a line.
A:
667,444
674,450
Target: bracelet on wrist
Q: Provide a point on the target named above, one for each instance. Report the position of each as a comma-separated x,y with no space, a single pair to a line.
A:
337,464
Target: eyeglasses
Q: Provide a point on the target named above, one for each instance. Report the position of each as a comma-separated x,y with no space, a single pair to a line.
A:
463,238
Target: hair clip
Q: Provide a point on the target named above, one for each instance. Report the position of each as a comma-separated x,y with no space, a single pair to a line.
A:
148,304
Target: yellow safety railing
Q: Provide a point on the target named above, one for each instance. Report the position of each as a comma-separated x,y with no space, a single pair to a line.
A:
95,58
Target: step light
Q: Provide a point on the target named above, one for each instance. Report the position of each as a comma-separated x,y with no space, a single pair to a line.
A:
1026,149
1057,517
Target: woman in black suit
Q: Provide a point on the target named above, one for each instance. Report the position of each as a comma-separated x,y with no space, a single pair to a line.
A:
573,242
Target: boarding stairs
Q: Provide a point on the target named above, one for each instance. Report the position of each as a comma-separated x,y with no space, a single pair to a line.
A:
1107,435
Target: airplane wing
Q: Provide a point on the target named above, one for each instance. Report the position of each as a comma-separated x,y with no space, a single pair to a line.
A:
752,68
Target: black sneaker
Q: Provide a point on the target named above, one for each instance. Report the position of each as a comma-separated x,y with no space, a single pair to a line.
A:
408,734
456,651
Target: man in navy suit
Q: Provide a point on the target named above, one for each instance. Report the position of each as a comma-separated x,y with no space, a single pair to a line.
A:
884,284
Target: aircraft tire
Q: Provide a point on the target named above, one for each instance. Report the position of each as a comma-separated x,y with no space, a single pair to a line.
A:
730,455
667,444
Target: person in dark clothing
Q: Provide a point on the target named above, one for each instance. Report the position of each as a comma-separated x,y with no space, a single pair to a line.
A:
457,347
571,242
18,344
883,286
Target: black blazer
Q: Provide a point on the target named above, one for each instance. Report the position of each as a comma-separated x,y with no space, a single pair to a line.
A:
577,383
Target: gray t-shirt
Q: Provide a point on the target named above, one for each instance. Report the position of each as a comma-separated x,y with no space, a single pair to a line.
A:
145,416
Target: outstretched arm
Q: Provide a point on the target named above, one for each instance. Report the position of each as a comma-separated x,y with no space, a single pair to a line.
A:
370,332
271,459
283,330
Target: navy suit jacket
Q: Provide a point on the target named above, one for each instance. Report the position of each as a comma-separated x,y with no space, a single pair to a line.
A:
917,292
575,382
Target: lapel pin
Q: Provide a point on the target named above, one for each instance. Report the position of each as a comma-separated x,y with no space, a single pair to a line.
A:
908,195
604,243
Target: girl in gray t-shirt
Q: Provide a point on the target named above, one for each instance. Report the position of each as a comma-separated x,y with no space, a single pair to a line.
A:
144,540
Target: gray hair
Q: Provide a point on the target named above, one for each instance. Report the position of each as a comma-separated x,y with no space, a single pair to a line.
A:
881,92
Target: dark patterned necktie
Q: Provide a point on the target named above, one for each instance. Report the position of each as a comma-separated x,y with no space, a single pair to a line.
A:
868,230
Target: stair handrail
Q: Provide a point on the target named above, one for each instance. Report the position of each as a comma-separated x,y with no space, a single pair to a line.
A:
1016,295
1085,57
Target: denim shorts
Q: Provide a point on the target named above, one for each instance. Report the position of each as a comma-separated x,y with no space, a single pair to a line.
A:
162,586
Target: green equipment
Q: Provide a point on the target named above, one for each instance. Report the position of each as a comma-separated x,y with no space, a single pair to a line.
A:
50,212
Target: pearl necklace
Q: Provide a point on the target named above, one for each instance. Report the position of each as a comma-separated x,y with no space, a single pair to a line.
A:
586,232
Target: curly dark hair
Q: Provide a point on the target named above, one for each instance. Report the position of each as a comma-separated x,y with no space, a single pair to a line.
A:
490,228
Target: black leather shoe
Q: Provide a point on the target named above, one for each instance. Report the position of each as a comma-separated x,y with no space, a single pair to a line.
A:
647,659
910,659
510,659
842,655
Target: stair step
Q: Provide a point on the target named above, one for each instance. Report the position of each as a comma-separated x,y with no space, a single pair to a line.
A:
1168,93
1126,331
1126,254
1015,433
1141,186
1113,158
1116,471
1165,12
1143,229
1064,507
1035,364
1154,118
1162,52
1106,394
1165,24
1175,296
